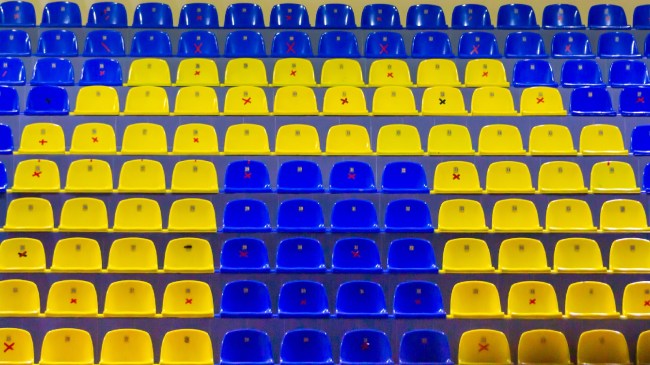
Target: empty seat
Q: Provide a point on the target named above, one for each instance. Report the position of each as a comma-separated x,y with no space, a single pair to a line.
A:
47,100
533,73
101,71
607,16
411,255
515,215
137,214
543,346
577,255
632,102
246,139
590,299
365,346
629,255
244,15
132,255
146,100
398,140
244,43
516,16
29,214
478,45
461,215
380,16
424,346
438,72
550,139
601,139
533,299
89,175
183,346
291,44
36,176
9,103
348,139
602,347
17,14
431,45
13,71
635,298
23,353
475,299
306,346
246,346
188,255
354,215
245,100
561,16
84,215
449,139
244,255
471,16
194,176
289,16
15,43
591,101
571,45
643,341
97,100
522,255
544,101
6,140
425,16
196,100
492,101
39,138
569,215
246,215
341,71
418,299
57,43
77,254
300,255
151,43
293,71
460,177
246,71
72,298
338,44
124,346
67,345
500,139
404,177
144,139
20,298
485,72
93,138
188,299
198,43
53,71
247,176
524,45
335,16
580,73
389,73
355,255
104,43
300,215
130,298
356,299
617,45
466,255
245,298
443,100
192,215
197,71
299,176
613,177
107,14
296,100
385,45
22,254
152,15
393,100
352,177
623,215
142,176
198,15
493,347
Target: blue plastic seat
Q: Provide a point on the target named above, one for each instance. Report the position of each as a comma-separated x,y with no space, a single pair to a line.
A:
365,347
646,179
3,178
6,136
617,45
408,215
15,43
9,105
411,255
47,100
104,43
12,71
300,215
291,44
580,73
246,346
425,16
153,15
646,46
356,255
298,254
561,16
634,102
61,14
289,16
245,298
244,15
107,14
306,346
354,215
151,43
299,176
525,45
624,73
17,14
244,43
640,143
591,101
431,45
198,15
641,17
424,347
303,299
380,16
335,16
101,71
516,16
57,43
360,299
244,254
198,43
246,215
527,73
471,16
338,44
247,176
385,45
352,177
607,16
418,299
478,45
404,177
571,45
53,71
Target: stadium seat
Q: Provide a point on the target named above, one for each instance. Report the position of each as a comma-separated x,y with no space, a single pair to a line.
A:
443,100
526,255
581,73
471,16
192,215
77,254
641,17
354,215
20,298
360,299
642,344
601,139
485,73
15,43
475,299
289,16
524,45
132,255
424,347
84,215
97,100
123,346
602,346
17,14
418,299
245,298
188,255
302,298
569,215
516,16
196,100
291,44
385,45
442,73
380,16
528,73
634,298
591,101
500,139
9,101
247,176
425,16
24,351
245,100
543,346
577,254
542,101
93,138
590,299
34,261
47,100
300,215
478,45
306,346
107,14
623,215
198,43
151,43
246,215
607,16
3,178
398,139
300,255
352,177
404,177
335,16
71,298
297,100
356,343
632,102
431,45
613,177
57,43
246,72
188,299
104,43
36,176
617,45
629,255
152,15
6,140
492,101
338,44
389,73
466,255
89,175
495,343
244,15
101,71
533,300
186,346
67,345
299,176
571,45
348,139
29,214
449,139
646,179
198,15
393,100
461,215
341,72
356,255
515,215
456,177
53,71
13,71
146,100
197,72
411,255
42,138
562,16
137,214
130,298
246,346
293,71
246,139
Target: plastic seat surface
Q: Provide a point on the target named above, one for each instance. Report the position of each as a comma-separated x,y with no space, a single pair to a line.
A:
53,71
246,215
15,42
198,43
245,298
607,16
408,215
360,299
418,299
246,346
338,44
300,255
61,14
571,45
617,45
244,255
356,255
300,215
524,45
299,176
151,43
104,43
424,346
291,44
624,73
243,15
244,43
289,16
385,45
471,16
352,177
107,14
247,176
198,15
306,346
478,45
335,16
152,15
303,298
516,16
17,14
562,16
431,44
425,16
356,343
57,43
354,215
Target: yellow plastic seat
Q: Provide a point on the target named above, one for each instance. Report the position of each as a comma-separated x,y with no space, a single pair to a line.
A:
561,177
77,254
437,72
399,139
456,177
293,71
192,215
515,215
297,139
188,298
533,299
137,214
149,72
246,139
613,177
601,139
543,347
22,254
508,177
475,299
245,72
188,255
590,299
576,254
389,72
636,300
500,139
132,255
36,176
393,100
443,100
197,72
72,298
341,72
485,72
67,346
146,100
295,100
19,298
84,215
465,255
449,139
194,176
629,255
29,214
550,140
93,138
522,255
541,101
344,100
141,176
623,215
144,139
493,101
196,100
483,346
97,100
195,139
126,346
21,350
461,215
348,139
642,345
40,138
130,298
186,347
569,215
246,100
89,176
603,347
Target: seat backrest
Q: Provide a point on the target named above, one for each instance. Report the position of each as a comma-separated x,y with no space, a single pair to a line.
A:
151,43
186,346
245,298
107,14
67,345
561,16
431,45
17,14
126,345
516,16
247,176
291,44
354,215
359,299
244,15
57,43
289,16
132,254
198,15
355,254
300,215
306,346
303,298
338,44
471,16
246,346
153,15
607,16
61,14
380,16
300,255
246,215
356,343
198,43
335,16
15,42
244,255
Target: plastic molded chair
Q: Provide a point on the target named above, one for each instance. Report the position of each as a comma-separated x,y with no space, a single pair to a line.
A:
617,45
36,176
15,43
613,177
591,101
590,299
623,215
245,100
335,16
478,45
607,16
354,215
471,16
644,337
456,177
407,177
188,255
355,255
198,15
581,73
300,215
533,299
365,347
634,298
144,139
443,100
338,44
516,16
20,298
101,71
245,298
438,72
149,72
72,298
461,215
151,43
347,139
130,298
485,72
132,255
602,347
629,255
543,101
17,14
29,214
569,215
89,175
632,102
495,345
198,43
67,346
246,72
411,255
515,215
76,254
526,255
424,347
146,100
425,16
296,100
524,45
97,100
197,72
359,299
194,176
293,71
244,43
303,298
57,43
126,346
84,215
196,100
577,255
246,215
104,43
13,71
528,73
475,299
624,73
244,15
107,14
186,346
466,255
431,45
247,176
393,100
30,257
399,140
137,214
42,138
53,71
300,255
571,45
9,103
246,346
291,44
385,45
449,139
389,73
418,299
601,139
380,16
246,139
144,176
299,176
152,15
93,138
352,177
492,101
543,347
561,16
306,346
289,16
6,140
47,100
192,215
341,72
23,353
188,299
500,139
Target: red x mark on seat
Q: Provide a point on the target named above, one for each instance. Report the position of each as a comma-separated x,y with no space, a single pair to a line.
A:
247,101
22,254
475,49
9,346
197,48
540,100
95,139
485,74
195,139
365,345
188,300
389,75
646,303
418,301
532,301
287,17
303,302
17,15
243,254
102,73
640,100
352,176
37,173
455,176
197,73
4,73
199,17
567,48
42,142
290,47
344,101
384,49
106,47
73,300
356,254
293,73
247,175
483,347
